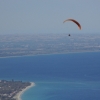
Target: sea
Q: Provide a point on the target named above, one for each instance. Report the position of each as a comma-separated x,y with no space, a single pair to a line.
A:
72,76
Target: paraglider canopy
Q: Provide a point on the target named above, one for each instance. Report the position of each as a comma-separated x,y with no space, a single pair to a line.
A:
76,22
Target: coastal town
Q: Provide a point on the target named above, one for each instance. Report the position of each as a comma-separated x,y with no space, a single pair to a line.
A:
10,89
35,44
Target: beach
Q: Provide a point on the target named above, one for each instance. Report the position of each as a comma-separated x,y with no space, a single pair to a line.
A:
18,95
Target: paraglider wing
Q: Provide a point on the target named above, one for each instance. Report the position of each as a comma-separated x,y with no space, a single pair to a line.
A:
74,22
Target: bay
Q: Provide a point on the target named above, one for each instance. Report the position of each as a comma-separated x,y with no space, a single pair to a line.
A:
72,76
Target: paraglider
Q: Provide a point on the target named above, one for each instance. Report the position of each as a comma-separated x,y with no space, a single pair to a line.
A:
76,22
68,34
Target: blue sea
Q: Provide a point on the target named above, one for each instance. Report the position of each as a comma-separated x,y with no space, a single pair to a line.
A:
72,76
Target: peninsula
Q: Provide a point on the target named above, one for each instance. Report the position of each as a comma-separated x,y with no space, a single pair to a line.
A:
12,90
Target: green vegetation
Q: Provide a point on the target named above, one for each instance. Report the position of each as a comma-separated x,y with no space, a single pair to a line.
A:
8,89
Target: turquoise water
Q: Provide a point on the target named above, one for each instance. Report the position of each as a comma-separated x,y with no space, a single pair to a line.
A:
74,76
64,90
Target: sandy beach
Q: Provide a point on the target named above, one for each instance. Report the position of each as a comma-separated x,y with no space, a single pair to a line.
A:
18,95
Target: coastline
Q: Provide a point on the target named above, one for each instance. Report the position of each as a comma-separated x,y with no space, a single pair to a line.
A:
50,54
18,95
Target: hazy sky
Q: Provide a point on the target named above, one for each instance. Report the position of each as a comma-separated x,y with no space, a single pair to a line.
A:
47,16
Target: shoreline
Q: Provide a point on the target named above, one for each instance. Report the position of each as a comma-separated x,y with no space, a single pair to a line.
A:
19,94
50,54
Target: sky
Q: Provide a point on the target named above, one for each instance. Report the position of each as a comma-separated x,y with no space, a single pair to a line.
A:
47,16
